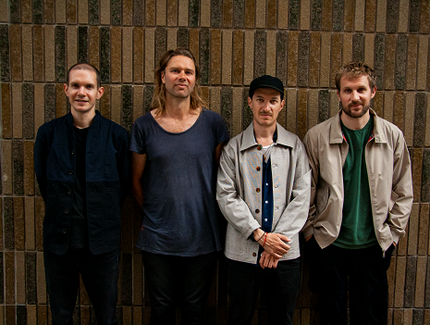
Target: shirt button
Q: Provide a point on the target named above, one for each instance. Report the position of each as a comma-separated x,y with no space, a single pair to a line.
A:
265,219
70,172
257,211
267,202
267,184
259,147
257,190
258,168
64,231
69,192
66,211
73,152
253,254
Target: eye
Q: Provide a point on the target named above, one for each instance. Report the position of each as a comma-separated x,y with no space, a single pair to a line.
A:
347,91
273,101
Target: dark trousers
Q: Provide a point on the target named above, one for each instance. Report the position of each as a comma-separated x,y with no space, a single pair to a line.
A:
279,286
178,281
99,274
334,270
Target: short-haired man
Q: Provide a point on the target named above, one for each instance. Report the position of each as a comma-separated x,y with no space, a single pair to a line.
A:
263,191
83,170
360,204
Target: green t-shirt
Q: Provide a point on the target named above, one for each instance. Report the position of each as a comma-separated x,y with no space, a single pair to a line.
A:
357,229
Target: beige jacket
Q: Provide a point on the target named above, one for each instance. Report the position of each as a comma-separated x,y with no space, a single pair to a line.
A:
390,180
240,177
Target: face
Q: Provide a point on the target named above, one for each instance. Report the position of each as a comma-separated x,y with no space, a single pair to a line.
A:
265,104
82,90
355,95
179,77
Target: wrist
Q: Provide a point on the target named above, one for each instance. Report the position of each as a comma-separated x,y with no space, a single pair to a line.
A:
257,234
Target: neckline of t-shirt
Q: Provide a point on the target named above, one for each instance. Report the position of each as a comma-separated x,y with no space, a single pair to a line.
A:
176,133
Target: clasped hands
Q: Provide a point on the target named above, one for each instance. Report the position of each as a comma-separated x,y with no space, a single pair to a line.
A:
275,246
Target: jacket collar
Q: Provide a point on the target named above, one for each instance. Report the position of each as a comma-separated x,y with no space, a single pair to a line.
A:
96,119
248,139
336,135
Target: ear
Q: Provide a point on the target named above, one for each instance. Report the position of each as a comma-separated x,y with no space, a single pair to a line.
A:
100,92
338,94
163,79
66,89
249,101
282,104
373,92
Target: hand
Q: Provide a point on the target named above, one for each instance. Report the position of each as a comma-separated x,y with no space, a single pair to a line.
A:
276,244
269,261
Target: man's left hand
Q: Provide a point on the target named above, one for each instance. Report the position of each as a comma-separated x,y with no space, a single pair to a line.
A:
269,261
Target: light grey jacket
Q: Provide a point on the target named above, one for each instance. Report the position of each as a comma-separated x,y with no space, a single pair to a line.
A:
240,177
390,180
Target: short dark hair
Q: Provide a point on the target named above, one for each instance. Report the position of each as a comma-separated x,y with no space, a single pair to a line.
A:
85,66
266,81
356,69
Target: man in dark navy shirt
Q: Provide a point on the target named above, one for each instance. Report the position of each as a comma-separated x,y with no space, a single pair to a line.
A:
263,191
83,170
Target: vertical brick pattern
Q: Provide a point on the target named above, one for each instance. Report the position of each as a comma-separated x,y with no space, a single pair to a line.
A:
303,42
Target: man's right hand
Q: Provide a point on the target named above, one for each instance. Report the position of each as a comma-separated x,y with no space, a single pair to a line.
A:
275,244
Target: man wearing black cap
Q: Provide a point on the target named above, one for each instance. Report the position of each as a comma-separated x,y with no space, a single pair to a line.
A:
263,190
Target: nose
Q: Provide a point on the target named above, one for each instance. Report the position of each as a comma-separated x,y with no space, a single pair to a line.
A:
355,96
266,106
81,91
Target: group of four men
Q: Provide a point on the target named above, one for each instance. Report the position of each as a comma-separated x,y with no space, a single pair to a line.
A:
348,188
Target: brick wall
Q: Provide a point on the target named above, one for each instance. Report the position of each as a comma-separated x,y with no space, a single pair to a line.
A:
303,42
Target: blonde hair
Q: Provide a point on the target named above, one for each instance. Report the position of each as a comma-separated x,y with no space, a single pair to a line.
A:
159,97
356,69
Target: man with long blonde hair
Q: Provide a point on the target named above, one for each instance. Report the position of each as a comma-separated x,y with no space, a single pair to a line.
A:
175,149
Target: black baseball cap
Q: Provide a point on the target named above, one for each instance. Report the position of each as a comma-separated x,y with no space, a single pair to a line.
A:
266,81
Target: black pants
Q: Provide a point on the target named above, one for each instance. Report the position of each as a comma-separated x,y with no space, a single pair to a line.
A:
178,281
334,270
279,286
99,274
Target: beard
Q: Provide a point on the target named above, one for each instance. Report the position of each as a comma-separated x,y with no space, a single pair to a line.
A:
356,114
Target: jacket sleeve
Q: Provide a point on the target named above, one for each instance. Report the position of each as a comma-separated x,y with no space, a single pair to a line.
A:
232,206
295,215
41,151
402,191
312,154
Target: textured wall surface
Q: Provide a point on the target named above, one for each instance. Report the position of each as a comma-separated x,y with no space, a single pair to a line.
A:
303,42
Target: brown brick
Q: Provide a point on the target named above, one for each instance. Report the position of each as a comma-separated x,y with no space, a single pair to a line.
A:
400,281
27,54
19,225
388,106
391,275
72,11
9,264
116,54
293,50
360,12
20,278
15,52
29,211
238,39
327,18
305,14
420,282
282,12
149,55
413,229
336,56
314,73
116,104
6,111
17,110
381,17
250,13
227,40
423,230
348,16
7,176
195,43
422,62
271,52
216,57
83,12
41,284
302,116
72,45
411,72
248,73
403,17
127,55
390,60
127,12
49,52
39,216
